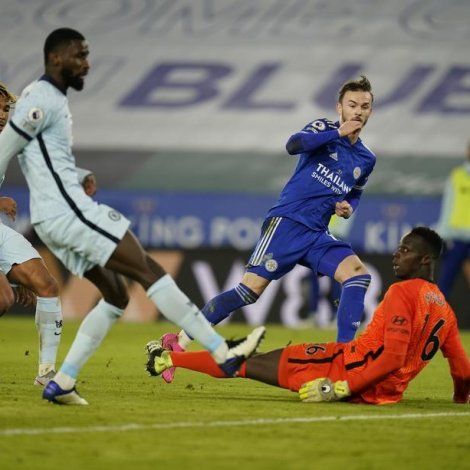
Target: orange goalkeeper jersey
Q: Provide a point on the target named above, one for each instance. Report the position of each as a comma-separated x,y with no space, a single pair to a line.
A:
409,326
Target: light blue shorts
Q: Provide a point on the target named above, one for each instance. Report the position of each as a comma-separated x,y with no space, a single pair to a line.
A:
14,248
84,239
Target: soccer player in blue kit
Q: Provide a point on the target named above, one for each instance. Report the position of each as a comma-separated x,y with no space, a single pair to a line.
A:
92,240
329,178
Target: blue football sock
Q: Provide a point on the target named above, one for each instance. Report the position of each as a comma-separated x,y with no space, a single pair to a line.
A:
221,306
351,307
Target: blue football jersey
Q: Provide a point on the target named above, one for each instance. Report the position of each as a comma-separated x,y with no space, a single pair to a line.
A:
330,169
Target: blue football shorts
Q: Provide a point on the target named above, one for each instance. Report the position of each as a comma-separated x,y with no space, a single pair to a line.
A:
283,243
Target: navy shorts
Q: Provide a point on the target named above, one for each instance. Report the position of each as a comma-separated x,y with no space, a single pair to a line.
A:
284,243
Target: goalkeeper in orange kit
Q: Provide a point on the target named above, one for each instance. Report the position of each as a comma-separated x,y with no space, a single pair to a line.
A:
409,326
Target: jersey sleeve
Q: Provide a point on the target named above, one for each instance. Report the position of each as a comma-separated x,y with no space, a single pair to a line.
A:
82,173
11,143
34,111
354,196
313,135
398,307
459,364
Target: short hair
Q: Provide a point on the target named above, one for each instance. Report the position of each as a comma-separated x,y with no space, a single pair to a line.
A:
431,238
58,38
4,91
362,84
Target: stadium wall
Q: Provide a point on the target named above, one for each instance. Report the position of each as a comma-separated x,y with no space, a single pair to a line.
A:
204,239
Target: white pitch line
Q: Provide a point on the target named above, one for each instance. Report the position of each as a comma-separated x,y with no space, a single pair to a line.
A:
219,424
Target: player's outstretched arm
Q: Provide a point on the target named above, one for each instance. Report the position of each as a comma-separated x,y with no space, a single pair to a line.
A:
312,136
461,390
459,365
11,143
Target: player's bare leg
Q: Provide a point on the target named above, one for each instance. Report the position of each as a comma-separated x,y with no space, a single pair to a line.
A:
216,310
91,333
262,367
34,275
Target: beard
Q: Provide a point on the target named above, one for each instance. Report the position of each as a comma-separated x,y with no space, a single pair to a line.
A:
74,81
343,119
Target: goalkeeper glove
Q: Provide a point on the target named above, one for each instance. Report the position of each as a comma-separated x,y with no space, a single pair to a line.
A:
323,389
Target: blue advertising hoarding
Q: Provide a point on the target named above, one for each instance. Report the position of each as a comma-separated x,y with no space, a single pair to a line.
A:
220,220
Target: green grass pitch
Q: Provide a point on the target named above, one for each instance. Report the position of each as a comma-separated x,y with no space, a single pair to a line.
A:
139,422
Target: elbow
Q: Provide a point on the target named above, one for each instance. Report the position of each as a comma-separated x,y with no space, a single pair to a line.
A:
292,146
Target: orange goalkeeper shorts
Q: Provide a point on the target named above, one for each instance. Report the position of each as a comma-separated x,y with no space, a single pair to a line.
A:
301,363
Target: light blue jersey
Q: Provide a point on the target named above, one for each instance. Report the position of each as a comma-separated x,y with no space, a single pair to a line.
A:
43,118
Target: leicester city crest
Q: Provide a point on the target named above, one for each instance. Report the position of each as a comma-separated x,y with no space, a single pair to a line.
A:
357,172
271,265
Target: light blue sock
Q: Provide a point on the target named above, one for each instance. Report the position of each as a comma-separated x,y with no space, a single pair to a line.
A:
91,333
176,307
48,321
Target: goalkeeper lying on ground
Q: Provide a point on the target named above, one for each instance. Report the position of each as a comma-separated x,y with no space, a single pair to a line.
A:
409,326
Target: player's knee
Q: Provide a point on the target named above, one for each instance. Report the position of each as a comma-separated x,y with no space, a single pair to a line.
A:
43,284
349,268
48,287
255,283
34,275
121,302
156,269
148,273
118,295
361,270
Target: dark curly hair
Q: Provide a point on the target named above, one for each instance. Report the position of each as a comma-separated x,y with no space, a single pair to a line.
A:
433,240
58,38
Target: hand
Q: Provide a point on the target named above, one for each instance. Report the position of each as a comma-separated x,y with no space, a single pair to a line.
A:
462,391
462,400
8,207
349,127
89,185
343,209
24,296
323,389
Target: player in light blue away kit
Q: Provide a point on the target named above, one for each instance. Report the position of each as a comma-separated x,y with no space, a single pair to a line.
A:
22,265
91,239
331,173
